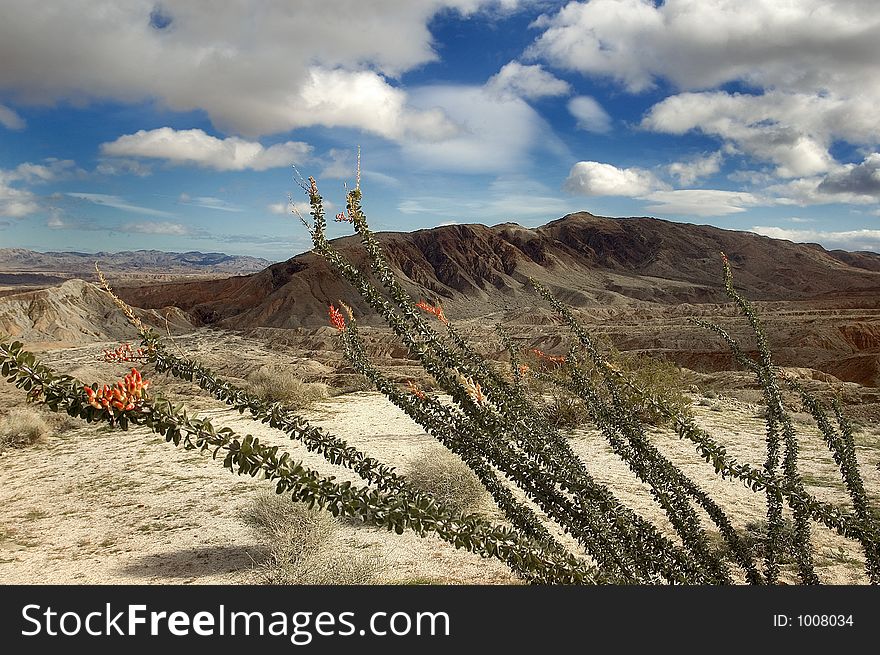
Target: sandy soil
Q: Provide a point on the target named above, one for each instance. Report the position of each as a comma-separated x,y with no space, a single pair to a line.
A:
95,505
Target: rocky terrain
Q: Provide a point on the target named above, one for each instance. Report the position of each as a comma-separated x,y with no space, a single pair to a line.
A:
637,280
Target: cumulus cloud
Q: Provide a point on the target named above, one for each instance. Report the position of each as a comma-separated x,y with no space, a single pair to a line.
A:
589,114
11,120
255,69
700,202
794,131
810,67
846,240
115,202
593,178
497,134
16,203
529,82
700,44
848,183
690,171
857,179
201,149
48,170
19,202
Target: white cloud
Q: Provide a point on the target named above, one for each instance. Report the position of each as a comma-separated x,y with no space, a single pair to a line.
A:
115,166
208,202
116,202
589,114
289,207
700,202
11,120
161,227
512,198
342,165
56,220
690,171
856,179
810,67
846,240
364,100
699,44
529,82
848,183
51,169
496,134
15,202
255,69
201,149
592,178
794,131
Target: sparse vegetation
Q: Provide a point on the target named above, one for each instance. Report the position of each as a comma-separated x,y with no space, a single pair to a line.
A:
23,426
275,385
443,475
302,546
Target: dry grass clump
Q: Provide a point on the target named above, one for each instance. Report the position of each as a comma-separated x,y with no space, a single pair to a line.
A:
276,385
303,545
23,426
442,473
565,412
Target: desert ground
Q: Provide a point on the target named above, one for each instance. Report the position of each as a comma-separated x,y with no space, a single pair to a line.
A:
97,505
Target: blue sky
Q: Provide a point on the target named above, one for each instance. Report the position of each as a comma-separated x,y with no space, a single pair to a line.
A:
173,125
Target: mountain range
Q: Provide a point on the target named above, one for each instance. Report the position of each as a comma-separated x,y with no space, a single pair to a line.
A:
588,261
19,260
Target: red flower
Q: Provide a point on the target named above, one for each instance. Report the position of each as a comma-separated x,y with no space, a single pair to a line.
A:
435,310
336,318
124,396
414,389
553,359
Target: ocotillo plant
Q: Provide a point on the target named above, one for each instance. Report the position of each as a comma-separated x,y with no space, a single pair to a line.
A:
538,482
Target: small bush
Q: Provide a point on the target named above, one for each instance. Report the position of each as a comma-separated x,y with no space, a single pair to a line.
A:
565,412
659,380
443,474
23,426
301,545
274,385
756,539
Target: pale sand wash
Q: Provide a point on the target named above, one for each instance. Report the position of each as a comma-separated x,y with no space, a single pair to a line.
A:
95,505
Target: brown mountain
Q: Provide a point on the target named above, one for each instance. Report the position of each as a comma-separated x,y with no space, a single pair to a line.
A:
589,261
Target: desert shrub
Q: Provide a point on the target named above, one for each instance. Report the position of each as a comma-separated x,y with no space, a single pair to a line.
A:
23,426
655,387
565,412
303,547
443,475
277,385
658,386
757,539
